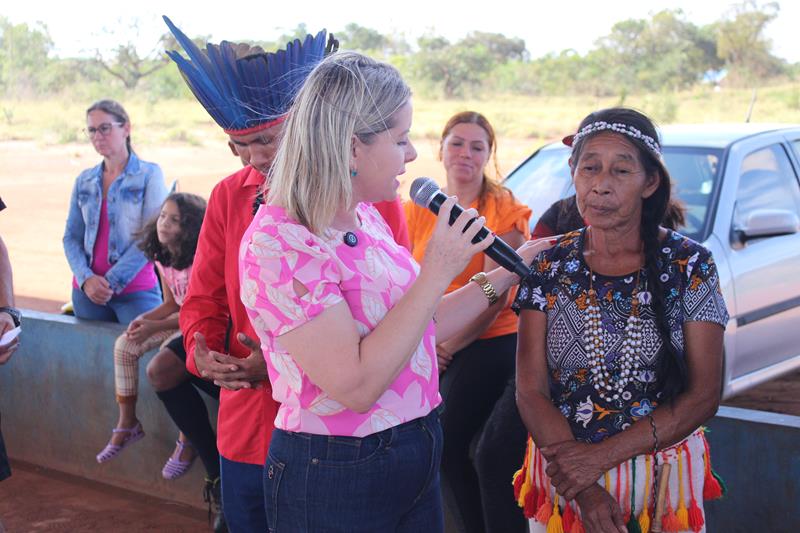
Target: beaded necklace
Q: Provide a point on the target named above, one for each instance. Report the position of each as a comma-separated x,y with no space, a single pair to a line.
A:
610,387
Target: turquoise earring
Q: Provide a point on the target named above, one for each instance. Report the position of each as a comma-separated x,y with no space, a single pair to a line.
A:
353,173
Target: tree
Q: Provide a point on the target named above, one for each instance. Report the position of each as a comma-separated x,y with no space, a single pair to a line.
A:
24,56
361,38
664,53
741,42
500,47
455,67
125,62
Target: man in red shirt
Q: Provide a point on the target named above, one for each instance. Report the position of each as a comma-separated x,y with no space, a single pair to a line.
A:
250,104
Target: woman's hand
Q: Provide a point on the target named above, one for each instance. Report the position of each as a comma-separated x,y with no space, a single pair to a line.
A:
141,329
98,289
600,512
530,249
450,248
443,357
573,466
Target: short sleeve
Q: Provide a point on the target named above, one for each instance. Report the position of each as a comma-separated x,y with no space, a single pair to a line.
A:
272,258
511,215
529,294
702,299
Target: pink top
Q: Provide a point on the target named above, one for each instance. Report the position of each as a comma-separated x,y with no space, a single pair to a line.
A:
176,280
371,277
144,280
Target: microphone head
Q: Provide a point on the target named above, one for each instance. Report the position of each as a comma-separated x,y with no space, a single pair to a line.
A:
422,191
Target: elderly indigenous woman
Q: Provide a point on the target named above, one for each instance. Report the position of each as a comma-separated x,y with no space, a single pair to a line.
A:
346,316
620,347
477,364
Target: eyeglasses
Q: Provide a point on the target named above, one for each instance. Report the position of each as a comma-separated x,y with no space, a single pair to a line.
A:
104,129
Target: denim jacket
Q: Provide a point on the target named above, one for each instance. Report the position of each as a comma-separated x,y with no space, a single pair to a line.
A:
133,199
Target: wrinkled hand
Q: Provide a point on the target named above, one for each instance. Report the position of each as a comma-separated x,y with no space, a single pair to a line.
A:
6,351
450,248
443,357
141,329
98,289
600,512
230,372
530,249
572,466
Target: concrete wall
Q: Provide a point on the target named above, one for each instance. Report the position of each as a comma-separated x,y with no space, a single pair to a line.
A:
57,403
758,455
58,409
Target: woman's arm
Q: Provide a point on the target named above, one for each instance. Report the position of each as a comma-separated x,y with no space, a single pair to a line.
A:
73,240
477,327
576,466
357,371
676,420
132,259
544,421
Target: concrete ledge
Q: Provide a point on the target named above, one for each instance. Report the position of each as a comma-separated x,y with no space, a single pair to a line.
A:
758,455
58,408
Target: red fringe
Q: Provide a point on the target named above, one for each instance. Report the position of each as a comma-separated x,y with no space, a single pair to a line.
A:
696,520
545,512
577,526
711,487
568,518
529,509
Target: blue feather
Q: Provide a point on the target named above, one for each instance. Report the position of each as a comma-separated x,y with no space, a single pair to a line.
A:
240,93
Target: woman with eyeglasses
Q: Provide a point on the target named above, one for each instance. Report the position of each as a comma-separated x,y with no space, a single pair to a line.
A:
113,281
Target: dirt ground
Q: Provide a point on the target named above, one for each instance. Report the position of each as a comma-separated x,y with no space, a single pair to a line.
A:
36,182
36,499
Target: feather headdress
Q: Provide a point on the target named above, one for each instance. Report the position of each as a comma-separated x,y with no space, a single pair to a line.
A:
243,88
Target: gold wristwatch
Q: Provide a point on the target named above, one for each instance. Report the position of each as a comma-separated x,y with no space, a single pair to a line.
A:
486,286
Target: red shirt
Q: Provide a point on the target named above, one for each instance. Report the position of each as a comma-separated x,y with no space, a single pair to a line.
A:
246,417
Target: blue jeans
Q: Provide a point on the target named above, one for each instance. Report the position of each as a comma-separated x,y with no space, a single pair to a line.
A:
243,496
388,481
120,308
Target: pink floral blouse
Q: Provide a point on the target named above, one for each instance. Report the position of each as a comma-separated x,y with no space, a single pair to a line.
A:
370,276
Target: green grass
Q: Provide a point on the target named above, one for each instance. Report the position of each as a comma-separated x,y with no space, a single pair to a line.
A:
59,120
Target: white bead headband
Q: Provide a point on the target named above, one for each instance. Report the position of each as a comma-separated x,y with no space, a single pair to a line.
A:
619,127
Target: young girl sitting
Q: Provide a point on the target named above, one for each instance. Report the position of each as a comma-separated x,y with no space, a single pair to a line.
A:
168,240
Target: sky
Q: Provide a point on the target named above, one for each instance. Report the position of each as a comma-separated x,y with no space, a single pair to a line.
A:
79,27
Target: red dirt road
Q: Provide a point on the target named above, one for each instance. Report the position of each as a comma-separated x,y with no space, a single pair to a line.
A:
36,499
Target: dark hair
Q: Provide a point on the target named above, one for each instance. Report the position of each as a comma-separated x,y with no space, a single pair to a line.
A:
192,209
672,371
115,109
488,186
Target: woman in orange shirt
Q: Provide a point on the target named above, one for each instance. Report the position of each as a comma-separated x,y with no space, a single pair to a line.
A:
477,365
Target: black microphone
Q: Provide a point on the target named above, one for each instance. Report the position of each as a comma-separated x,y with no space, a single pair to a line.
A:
426,193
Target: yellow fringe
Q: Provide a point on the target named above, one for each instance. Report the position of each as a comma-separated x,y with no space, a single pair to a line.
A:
644,516
554,524
681,512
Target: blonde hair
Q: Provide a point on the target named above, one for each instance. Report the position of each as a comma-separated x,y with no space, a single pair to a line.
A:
347,94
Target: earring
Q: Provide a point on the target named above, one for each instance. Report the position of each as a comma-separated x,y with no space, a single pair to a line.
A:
353,173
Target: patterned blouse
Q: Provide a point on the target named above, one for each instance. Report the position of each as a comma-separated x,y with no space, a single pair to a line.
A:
369,277
558,286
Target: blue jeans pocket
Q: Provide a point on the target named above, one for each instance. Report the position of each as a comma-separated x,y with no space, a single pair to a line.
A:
343,452
273,473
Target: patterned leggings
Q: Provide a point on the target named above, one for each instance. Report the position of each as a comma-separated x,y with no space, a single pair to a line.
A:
126,361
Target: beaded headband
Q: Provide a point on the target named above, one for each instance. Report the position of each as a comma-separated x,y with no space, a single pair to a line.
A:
616,127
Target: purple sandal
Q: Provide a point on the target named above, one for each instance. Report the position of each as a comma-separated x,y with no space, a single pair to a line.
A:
112,450
175,468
